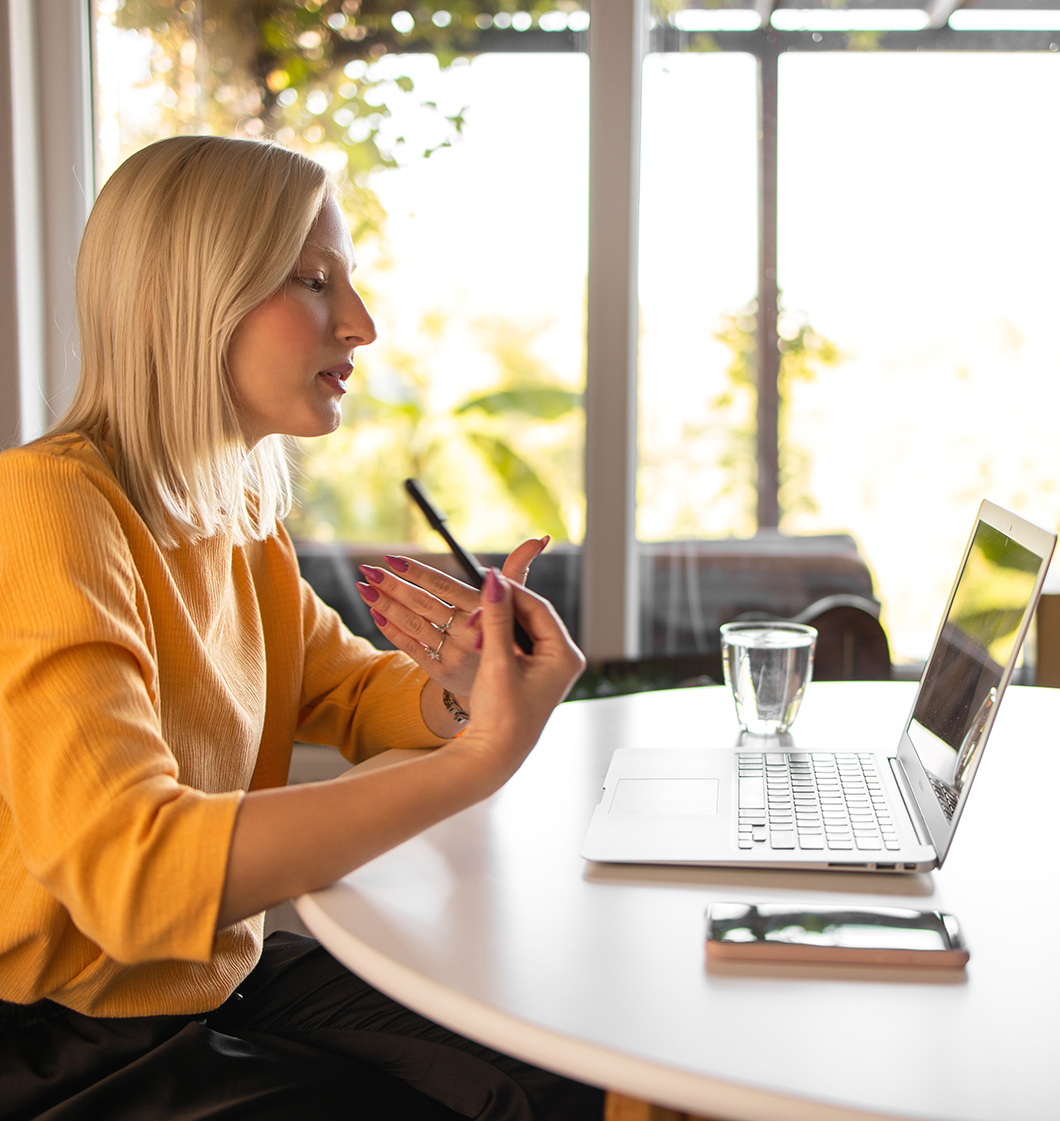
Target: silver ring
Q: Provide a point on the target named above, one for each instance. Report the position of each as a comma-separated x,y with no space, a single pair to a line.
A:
444,628
436,655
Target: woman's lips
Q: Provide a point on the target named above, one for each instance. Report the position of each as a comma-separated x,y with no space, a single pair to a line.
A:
334,380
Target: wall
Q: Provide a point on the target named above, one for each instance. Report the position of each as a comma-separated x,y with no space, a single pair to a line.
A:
46,189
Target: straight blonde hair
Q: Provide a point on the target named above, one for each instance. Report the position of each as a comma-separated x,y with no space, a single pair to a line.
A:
186,237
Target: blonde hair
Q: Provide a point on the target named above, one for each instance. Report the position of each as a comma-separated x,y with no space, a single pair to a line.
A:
186,237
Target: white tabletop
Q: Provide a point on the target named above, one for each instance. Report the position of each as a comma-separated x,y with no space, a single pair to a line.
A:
493,925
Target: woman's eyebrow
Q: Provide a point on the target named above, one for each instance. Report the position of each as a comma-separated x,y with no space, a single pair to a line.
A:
334,254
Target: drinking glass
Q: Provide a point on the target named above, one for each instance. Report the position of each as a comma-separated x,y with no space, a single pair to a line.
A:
767,666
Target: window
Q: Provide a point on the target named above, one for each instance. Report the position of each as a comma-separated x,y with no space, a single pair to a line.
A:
909,235
914,233
698,245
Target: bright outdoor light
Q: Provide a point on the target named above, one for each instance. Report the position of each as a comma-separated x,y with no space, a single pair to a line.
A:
985,19
316,102
553,21
849,19
402,22
715,19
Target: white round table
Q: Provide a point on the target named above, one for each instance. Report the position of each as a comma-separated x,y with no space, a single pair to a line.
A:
492,924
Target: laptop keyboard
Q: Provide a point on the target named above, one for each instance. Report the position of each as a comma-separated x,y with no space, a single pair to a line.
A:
812,801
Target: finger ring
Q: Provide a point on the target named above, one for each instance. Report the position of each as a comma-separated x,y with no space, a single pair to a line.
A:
444,628
436,655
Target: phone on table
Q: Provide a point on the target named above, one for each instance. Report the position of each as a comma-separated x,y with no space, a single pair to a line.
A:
475,573
743,932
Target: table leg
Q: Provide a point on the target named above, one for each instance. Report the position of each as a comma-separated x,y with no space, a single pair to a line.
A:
618,1107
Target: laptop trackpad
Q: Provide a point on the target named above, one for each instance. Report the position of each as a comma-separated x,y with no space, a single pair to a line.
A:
674,797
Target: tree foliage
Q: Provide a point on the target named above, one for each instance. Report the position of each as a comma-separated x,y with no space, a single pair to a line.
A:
803,352
301,70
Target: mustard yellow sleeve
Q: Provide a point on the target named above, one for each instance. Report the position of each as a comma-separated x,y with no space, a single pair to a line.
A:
137,859
355,697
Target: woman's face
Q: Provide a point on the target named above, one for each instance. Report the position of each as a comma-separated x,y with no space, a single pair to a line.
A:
290,357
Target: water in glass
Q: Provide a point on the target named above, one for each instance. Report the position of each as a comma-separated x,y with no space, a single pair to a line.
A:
767,666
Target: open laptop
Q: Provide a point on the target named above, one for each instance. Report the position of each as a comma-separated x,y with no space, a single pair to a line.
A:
767,806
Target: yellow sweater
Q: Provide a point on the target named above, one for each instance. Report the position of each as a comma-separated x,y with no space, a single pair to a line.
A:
142,690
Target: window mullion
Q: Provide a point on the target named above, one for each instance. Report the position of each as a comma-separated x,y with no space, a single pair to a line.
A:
767,350
610,622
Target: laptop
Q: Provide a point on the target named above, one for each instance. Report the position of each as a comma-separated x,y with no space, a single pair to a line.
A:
765,805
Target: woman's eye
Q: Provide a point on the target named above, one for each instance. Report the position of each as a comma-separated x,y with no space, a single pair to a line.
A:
313,283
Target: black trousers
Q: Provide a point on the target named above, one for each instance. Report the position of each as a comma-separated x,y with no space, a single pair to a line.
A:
302,1037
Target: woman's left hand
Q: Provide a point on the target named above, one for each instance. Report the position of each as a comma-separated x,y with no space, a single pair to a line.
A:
425,613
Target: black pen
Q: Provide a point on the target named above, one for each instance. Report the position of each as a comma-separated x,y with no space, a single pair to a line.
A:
475,573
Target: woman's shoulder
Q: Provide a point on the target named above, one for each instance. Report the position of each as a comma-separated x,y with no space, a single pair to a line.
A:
61,457
60,476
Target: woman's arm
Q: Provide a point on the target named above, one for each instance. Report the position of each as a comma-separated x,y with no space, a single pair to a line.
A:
294,839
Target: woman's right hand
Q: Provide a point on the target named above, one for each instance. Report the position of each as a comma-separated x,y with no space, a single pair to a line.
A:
514,693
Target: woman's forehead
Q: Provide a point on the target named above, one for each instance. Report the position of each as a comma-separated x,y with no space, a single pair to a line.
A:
330,235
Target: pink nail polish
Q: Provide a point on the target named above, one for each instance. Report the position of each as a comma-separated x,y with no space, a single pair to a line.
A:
494,589
379,617
398,564
473,618
478,641
376,575
367,592
545,540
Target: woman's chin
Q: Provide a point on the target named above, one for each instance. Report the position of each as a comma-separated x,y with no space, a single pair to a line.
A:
321,425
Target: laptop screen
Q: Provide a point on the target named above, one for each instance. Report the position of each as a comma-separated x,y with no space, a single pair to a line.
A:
962,680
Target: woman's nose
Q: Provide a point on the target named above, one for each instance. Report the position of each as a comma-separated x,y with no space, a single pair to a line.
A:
356,326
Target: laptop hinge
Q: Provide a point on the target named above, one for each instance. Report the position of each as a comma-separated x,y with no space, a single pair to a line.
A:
906,791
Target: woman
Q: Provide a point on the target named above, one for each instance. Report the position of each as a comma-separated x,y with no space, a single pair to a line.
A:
159,655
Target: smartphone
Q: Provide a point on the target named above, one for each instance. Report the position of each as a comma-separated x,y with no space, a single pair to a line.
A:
841,935
475,573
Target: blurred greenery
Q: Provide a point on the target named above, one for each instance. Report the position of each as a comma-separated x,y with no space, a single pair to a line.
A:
802,353
523,434
300,70
296,71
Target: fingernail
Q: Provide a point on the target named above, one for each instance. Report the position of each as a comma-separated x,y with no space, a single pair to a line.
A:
376,575
473,618
545,540
494,589
367,592
379,617
398,564
478,641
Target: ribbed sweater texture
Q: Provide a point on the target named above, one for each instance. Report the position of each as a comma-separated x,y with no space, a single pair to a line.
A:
142,691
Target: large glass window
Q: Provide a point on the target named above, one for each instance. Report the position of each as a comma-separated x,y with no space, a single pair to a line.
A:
916,171
916,231
698,237
918,370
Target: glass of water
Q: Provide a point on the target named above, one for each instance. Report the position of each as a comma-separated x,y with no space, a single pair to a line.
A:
767,666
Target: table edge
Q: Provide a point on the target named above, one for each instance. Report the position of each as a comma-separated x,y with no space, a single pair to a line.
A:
611,1069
